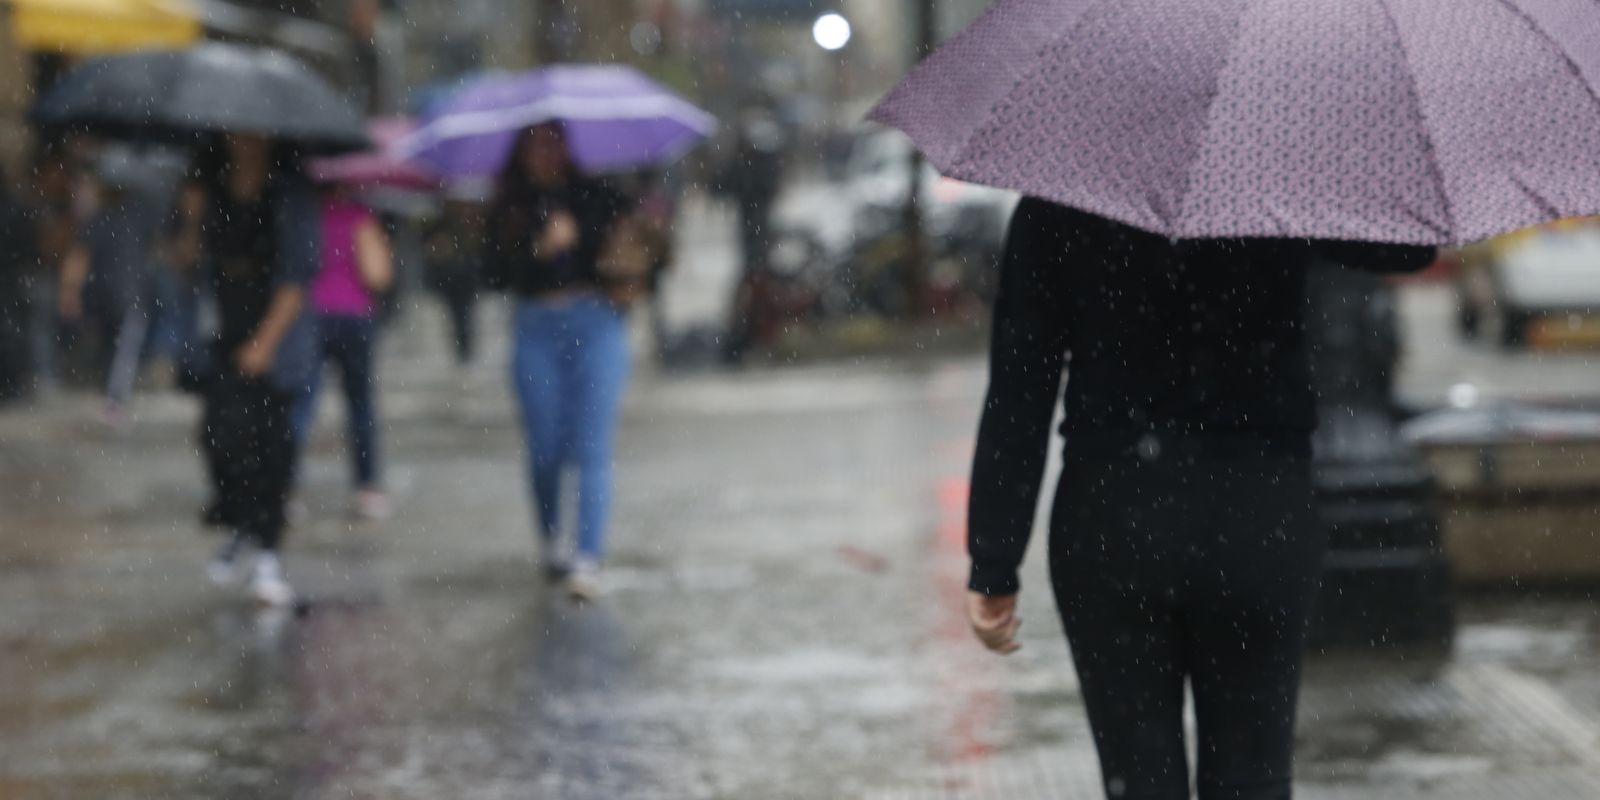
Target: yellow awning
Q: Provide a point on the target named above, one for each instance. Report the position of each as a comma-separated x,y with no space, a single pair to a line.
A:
91,27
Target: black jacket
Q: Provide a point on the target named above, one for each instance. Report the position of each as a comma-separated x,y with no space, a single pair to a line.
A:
514,224
1160,337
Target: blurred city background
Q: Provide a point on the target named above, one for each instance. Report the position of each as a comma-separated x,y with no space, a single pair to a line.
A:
784,616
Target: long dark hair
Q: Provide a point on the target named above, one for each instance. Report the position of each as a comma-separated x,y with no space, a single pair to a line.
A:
512,183
513,214
208,166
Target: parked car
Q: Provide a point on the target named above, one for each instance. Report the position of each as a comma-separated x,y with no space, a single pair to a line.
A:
1534,286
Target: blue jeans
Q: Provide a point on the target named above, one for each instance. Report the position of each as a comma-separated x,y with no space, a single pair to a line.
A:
348,343
570,368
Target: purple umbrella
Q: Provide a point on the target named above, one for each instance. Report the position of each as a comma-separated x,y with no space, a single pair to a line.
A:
1414,121
615,118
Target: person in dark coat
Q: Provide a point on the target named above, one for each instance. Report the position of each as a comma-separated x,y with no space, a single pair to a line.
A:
452,252
1183,542
754,177
256,230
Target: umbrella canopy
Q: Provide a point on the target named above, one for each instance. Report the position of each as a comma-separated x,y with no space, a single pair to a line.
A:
96,27
209,88
143,170
1410,121
615,118
381,166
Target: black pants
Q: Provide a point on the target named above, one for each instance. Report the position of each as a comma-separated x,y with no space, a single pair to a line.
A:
250,451
1188,561
459,292
347,342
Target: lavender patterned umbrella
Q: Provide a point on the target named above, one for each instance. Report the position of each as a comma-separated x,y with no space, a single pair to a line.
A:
615,117
1412,121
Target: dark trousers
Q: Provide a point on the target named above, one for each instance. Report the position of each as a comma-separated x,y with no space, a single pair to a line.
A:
250,451
462,306
347,343
456,286
1197,562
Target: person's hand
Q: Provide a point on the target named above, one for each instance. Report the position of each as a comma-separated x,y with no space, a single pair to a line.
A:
253,359
560,235
70,306
994,619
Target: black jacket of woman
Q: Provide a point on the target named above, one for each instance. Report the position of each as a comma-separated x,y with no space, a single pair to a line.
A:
1165,341
518,218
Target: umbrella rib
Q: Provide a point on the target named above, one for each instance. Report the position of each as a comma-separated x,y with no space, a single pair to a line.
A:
1422,116
1177,222
482,122
961,153
1566,54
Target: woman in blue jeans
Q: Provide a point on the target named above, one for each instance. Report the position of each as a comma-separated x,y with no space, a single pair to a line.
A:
546,231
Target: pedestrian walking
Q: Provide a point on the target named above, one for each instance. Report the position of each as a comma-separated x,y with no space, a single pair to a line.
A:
357,267
259,233
1184,545
108,283
547,229
754,177
453,255
1183,166
248,222
52,221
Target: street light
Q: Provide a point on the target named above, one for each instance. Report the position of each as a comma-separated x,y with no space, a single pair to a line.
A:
832,31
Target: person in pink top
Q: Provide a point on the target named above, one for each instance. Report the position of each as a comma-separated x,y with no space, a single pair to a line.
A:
357,266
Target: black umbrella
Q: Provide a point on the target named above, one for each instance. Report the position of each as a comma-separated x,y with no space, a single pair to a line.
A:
209,88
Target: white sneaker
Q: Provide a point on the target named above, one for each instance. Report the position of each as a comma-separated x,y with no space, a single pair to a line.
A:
583,583
224,567
267,584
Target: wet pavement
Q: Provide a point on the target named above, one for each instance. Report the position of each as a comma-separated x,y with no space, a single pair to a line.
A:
784,622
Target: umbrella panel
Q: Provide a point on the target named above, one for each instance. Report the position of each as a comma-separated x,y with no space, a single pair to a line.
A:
209,89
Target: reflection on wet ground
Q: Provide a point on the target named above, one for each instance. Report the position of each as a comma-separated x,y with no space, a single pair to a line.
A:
784,622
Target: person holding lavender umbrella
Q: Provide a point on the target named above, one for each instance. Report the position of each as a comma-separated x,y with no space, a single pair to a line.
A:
573,252
546,232
1183,164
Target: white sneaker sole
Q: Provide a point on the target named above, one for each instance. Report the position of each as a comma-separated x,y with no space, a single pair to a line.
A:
276,595
583,589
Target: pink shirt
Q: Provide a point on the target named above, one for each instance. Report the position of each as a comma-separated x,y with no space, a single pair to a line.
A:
338,290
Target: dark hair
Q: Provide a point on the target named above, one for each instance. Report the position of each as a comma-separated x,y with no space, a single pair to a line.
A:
513,183
209,164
